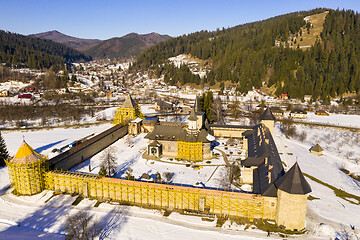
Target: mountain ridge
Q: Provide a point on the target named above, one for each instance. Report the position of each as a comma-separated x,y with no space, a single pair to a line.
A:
126,46
80,44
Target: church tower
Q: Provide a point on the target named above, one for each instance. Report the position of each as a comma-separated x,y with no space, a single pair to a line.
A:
268,120
193,127
127,111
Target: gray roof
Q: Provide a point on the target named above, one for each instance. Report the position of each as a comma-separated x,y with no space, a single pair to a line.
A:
293,181
155,144
163,105
192,116
129,102
196,104
253,161
271,191
230,126
298,111
317,148
261,145
267,115
176,133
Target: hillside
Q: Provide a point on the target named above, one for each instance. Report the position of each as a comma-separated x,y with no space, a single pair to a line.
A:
248,56
126,46
79,44
17,49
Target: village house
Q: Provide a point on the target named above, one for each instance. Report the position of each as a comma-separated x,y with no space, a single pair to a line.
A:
298,113
321,113
4,93
162,106
307,98
316,149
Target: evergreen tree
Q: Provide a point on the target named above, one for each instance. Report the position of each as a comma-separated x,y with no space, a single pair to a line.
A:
4,154
102,171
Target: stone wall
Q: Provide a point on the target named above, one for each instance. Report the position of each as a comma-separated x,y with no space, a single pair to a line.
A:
87,149
169,148
228,132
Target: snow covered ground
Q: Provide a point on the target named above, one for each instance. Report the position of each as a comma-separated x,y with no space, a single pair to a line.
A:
32,218
129,151
333,119
327,169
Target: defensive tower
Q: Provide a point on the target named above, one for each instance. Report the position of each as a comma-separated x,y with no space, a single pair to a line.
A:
26,171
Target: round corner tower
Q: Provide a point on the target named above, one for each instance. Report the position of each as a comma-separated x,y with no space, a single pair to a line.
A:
26,171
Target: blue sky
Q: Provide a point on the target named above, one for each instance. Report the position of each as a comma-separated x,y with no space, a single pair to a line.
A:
109,18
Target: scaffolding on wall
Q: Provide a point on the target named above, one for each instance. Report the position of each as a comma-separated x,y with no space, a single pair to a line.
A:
123,114
156,195
27,178
192,151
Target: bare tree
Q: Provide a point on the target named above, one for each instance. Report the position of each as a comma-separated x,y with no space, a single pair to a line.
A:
109,160
81,226
217,109
235,108
226,178
129,140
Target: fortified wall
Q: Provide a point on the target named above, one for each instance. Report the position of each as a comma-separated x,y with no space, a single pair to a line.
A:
165,196
281,197
87,149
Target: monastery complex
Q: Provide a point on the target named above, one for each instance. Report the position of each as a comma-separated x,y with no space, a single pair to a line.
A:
276,195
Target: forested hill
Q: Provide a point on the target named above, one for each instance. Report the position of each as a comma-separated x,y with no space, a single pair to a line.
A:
247,55
127,46
16,50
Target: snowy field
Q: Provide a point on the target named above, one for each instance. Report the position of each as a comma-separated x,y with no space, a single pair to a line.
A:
327,169
333,119
32,218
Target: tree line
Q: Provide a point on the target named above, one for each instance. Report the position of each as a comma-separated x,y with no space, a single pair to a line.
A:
20,50
245,54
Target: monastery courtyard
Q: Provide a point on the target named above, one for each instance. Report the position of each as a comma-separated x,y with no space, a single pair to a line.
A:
207,173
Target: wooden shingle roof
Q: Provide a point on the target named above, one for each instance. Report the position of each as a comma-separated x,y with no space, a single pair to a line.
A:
293,181
267,115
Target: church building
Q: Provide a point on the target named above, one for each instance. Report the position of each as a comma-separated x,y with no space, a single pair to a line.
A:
190,142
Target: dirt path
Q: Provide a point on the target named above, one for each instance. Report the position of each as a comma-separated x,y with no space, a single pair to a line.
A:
224,157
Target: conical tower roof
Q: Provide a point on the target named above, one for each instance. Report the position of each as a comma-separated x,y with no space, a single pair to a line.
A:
293,181
317,148
267,115
197,104
26,154
129,102
192,116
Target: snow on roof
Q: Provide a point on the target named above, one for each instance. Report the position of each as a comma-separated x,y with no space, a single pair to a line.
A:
137,120
210,138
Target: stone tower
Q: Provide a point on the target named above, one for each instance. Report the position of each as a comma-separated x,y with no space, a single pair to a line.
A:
292,199
26,171
268,120
127,111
